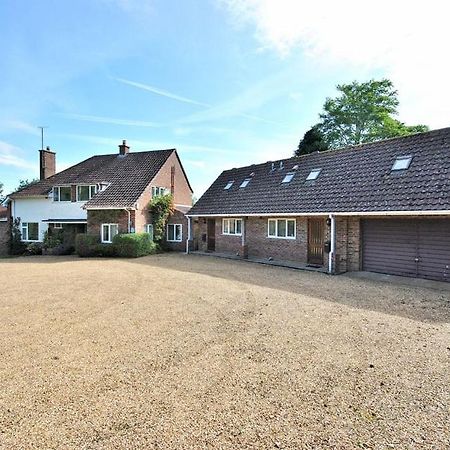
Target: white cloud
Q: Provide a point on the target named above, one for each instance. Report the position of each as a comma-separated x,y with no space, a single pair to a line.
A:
10,155
112,120
406,42
19,125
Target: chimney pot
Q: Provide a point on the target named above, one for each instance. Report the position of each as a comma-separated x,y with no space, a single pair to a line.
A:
124,148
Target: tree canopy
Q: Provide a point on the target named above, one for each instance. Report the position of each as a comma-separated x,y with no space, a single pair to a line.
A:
362,112
313,141
2,198
24,183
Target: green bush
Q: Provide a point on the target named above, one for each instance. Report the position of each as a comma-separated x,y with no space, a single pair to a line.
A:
134,245
33,248
88,245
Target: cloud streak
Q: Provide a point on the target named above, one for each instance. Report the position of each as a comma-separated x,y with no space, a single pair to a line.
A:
9,156
112,120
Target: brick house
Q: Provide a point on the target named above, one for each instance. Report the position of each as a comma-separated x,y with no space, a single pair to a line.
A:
103,195
381,207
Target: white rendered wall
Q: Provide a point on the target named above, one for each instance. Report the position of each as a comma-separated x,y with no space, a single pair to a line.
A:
39,209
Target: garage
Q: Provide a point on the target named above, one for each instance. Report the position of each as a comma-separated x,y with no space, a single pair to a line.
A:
408,247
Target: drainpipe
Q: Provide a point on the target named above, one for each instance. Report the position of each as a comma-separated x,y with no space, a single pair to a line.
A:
188,235
332,254
129,219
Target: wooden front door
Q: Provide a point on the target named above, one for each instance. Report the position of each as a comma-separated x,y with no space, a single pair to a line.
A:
316,236
211,235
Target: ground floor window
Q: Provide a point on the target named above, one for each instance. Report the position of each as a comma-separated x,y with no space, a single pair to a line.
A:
281,228
149,230
30,231
174,232
232,227
109,230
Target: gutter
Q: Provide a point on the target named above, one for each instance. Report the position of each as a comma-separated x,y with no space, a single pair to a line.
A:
188,235
332,254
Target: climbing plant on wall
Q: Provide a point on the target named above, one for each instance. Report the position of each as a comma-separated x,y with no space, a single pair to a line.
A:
161,208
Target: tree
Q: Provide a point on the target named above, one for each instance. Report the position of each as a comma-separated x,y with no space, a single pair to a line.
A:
363,112
313,141
25,183
2,197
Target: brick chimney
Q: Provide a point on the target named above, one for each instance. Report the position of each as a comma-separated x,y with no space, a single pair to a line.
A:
124,149
47,163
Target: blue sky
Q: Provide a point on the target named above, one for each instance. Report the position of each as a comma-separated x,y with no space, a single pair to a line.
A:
226,82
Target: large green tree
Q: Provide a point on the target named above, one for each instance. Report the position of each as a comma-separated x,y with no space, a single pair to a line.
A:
312,141
363,112
2,198
24,183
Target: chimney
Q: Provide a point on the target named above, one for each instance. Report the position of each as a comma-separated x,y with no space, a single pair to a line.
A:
124,149
47,163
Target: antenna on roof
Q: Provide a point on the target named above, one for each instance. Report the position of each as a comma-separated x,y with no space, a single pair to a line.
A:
42,136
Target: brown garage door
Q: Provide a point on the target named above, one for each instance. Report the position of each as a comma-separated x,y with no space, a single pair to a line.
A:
414,247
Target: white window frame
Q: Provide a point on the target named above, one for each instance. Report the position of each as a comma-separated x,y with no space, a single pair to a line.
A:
92,187
227,228
109,225
175,225
245,182
286,220
228,185
148,227
313,175
24,235
58,188
159,191
58,225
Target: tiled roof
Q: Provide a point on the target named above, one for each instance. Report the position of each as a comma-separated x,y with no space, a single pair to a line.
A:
128,176
354,179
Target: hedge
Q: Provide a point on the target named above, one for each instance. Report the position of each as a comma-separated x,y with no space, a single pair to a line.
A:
124,245
134,245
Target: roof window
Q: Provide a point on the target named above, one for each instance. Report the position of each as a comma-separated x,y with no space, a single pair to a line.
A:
245,182
229,184
313,174
288,177
402,163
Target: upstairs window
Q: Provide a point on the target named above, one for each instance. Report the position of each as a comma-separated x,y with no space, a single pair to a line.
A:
229,184
245,182
85,193
158,191
313,174
288,177
62,194
402,163
232,227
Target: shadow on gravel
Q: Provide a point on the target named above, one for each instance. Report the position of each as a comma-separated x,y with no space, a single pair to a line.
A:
429,303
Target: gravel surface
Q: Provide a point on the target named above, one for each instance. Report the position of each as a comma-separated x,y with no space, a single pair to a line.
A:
191,352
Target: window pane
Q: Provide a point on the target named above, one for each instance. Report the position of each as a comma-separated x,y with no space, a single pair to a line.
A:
114,230
232,226
150,230
238,226
281,228
56,194
291,228
64,194
178,232
92,191
272,227
106,233
83,193
33,231
24,231
170,233
225,226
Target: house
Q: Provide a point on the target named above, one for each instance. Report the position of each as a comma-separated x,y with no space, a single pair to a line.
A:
103,195
381,207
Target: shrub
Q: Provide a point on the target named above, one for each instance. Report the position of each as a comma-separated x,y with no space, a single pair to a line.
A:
52,238
134,245
33,248
88,245
16,245
162,208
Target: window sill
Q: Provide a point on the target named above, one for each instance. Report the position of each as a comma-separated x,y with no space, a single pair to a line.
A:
229,234
282,237
174,241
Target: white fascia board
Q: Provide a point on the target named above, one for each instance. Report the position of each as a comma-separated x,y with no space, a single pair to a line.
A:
357,213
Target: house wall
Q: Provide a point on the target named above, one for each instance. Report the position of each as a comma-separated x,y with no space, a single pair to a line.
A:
178,217
348,244
39,209
4,237
96,217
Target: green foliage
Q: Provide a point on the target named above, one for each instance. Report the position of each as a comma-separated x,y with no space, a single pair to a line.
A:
25,183
88,245
313,141
134,245
16,245
33,248
161,208
363,112
52,238
2,197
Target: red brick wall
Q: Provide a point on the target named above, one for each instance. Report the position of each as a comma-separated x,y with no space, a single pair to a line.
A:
4,238
178,217
348,244
95,218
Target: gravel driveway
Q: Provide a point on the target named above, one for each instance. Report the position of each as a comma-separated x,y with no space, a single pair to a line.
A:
191,352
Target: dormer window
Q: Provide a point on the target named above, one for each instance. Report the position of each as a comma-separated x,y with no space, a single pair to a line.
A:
62,194
313,174
245,182
288,177
229,184
85,193
402,163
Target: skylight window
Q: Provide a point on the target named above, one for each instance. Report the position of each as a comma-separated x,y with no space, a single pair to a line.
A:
288,177
245,182
402,163
229,184
313,174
